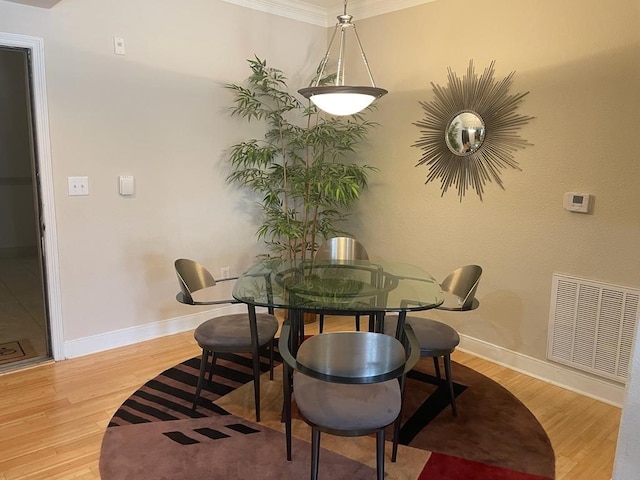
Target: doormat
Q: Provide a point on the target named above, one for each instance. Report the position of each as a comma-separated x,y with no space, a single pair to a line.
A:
15,351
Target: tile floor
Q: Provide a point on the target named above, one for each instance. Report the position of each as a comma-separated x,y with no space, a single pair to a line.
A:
22,314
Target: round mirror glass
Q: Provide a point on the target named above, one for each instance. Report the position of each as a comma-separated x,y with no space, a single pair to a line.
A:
465,133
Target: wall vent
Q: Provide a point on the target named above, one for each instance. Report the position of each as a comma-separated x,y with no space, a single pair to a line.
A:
592,326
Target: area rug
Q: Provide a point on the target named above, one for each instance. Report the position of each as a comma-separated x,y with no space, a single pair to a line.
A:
155,434
16,350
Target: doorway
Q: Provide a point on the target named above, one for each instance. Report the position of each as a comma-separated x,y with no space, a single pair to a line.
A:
30,311
24,326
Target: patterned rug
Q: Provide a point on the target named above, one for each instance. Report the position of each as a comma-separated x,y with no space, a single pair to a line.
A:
155,434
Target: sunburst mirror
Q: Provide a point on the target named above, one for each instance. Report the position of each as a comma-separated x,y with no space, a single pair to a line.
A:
470,131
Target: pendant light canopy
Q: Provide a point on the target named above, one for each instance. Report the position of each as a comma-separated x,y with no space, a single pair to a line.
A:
341,99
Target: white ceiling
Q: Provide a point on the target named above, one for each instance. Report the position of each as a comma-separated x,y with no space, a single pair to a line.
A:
317,12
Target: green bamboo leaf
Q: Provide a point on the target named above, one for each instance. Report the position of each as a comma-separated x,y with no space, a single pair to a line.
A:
303,169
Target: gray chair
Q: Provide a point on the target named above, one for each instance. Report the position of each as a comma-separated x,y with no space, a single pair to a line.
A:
437,339
235,333
339,390
342,249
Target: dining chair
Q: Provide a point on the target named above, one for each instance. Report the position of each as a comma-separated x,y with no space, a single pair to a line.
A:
339,390
342,249
236,333
437,339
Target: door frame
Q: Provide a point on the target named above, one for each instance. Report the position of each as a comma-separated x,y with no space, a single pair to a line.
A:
40,115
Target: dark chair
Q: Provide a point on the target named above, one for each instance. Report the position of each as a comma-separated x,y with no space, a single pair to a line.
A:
438,339
236,333
343,249
339,390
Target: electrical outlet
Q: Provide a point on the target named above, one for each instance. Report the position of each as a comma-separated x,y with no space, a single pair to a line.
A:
225,272
78,185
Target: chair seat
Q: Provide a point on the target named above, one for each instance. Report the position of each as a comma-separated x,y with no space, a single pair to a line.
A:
436,339
339,406
232,332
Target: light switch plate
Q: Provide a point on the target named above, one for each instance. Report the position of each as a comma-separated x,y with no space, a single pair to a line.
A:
118,46
127,185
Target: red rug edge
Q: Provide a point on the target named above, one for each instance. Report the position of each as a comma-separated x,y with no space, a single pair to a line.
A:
447,467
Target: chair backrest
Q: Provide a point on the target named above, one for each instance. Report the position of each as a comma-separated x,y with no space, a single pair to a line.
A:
351,357
342,249
192,277
463,283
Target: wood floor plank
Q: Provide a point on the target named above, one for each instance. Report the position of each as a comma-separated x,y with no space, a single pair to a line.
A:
53,416
582,430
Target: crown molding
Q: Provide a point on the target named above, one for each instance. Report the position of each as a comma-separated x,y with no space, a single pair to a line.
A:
326,17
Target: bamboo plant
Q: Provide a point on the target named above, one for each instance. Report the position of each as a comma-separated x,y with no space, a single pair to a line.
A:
301,171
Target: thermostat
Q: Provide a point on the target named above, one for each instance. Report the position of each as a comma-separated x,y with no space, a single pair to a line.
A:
577,202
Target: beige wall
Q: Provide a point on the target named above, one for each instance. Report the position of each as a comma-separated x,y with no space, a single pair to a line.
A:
158,113
580,64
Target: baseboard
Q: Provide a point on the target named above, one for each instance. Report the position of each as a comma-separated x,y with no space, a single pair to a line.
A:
149,331
555,374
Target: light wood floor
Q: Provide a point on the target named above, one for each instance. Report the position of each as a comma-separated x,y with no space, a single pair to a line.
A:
53,416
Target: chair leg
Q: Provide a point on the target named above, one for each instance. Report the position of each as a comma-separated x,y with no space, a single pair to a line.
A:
357,323
398,421
286,407
203,368
315,452
380,453
301,329
396,437
447,374
321,323
271,345
214,357
436,365
256,383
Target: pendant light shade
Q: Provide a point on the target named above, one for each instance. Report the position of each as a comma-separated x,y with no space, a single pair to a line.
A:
341,99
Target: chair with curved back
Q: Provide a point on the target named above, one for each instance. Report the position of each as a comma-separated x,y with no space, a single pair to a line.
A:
235,333
437,339
341,249
460,288
339,390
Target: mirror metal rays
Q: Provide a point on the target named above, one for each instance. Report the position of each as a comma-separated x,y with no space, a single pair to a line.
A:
470,131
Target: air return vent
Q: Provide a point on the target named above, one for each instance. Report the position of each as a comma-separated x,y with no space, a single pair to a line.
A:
592,326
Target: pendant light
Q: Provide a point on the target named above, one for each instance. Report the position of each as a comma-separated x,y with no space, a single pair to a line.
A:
341,99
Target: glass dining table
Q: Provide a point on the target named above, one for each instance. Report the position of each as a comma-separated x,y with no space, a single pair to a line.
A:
355,287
